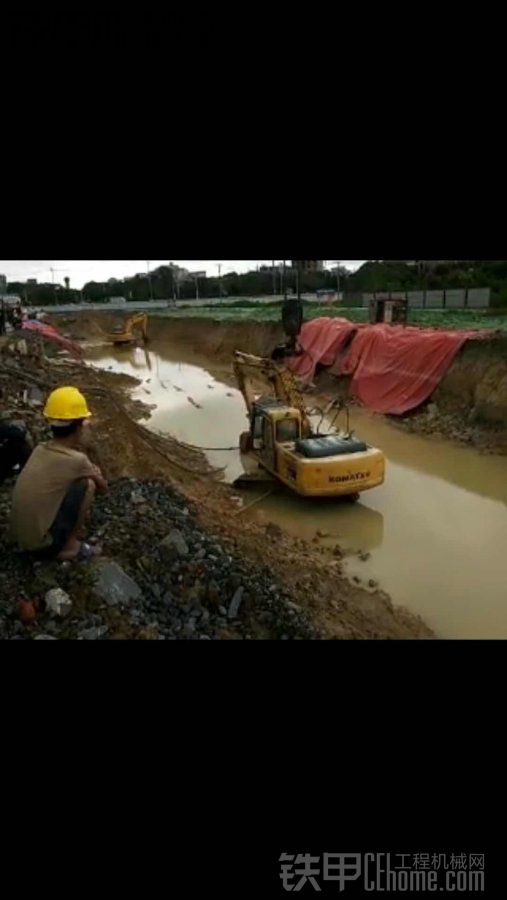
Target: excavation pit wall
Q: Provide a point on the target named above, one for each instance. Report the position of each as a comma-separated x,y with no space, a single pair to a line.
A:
430,537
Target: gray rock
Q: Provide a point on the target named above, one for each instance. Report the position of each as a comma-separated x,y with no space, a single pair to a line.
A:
35,396
174,543
293,606
236,603
44,637
94,634
222,610
58,602
114,586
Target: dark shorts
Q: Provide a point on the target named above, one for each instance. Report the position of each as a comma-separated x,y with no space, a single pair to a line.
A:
14,450
67,517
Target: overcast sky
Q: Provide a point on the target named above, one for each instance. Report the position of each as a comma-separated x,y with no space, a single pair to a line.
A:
82,270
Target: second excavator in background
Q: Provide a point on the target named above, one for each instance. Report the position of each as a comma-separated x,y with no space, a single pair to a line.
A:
125,332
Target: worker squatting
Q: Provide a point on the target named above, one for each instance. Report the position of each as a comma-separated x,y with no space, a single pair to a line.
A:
56,483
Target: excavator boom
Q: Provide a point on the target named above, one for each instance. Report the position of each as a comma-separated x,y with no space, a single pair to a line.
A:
281,379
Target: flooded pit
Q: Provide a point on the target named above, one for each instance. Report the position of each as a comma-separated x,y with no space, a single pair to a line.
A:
435,530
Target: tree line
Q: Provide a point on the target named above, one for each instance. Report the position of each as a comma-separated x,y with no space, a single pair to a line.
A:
372,276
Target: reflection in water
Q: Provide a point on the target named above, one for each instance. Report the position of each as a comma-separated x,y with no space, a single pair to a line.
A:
190,403
355,526
435,529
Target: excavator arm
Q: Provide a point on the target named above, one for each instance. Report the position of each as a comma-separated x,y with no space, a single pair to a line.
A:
124,332
138,321
292,320
280,378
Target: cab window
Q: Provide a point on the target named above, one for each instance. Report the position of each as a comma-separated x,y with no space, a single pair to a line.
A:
287,430
257,430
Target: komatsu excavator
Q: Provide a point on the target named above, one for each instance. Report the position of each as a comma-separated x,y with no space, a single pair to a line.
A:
281,437
124,332
282,441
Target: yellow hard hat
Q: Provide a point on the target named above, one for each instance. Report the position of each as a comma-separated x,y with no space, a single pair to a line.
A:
65,405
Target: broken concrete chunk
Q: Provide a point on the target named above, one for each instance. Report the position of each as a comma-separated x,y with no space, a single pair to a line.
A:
94,634
174,543
58,602
114,586
236,603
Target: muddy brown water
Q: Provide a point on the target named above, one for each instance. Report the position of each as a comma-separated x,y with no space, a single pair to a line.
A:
435,530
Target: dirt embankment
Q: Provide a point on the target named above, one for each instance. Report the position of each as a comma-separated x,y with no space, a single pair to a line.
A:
205,337
476,385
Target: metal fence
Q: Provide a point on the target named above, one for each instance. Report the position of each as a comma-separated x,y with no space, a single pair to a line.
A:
450,298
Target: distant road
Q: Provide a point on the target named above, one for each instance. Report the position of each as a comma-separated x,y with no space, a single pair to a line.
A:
166,304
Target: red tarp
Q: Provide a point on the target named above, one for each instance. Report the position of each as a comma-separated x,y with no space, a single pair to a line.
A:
52,334
322,340
394,368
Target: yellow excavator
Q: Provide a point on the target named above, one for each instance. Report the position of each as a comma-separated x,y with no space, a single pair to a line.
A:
124,332
282,441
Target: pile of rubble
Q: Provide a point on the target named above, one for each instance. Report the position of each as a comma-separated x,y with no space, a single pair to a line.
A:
162,578
433,422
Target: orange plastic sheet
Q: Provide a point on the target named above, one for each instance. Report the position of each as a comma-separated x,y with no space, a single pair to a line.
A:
393,369
52,334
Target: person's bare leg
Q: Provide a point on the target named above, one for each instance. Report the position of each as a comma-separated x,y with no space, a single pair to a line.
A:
73,544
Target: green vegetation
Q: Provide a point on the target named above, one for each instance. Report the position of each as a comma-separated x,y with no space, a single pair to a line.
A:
271,313
457,319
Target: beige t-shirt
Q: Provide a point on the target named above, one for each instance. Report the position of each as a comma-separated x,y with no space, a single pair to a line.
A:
40,490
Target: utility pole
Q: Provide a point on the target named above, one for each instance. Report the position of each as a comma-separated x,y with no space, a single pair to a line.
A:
338,276
274,279
196,287
52,270
149,279
220,280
